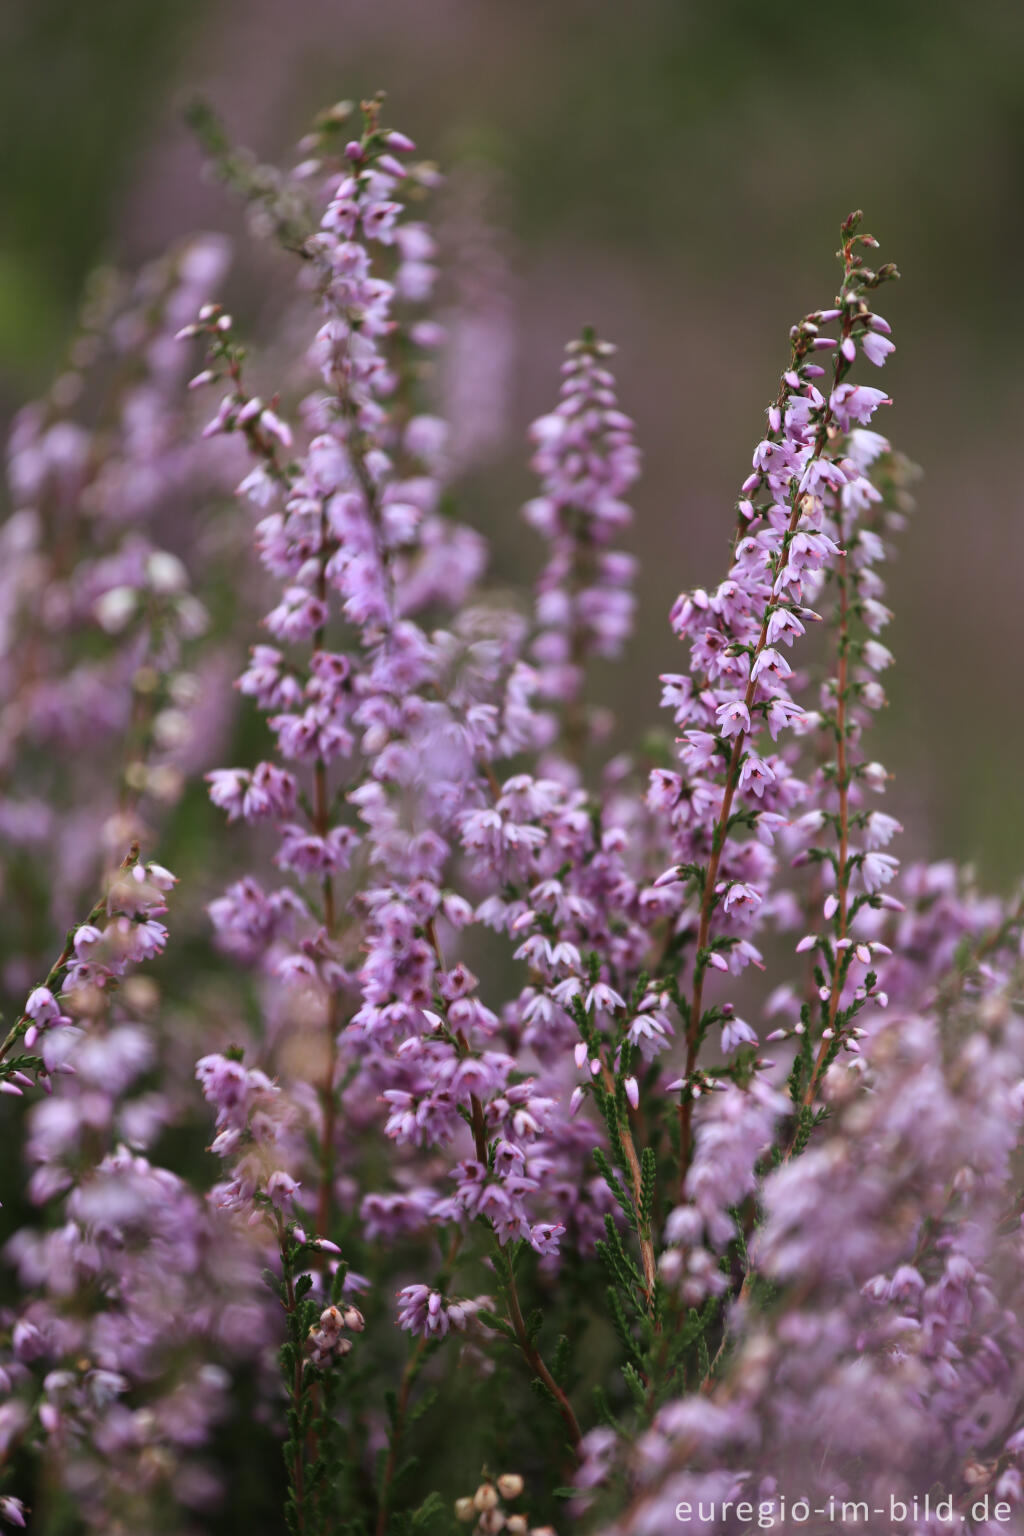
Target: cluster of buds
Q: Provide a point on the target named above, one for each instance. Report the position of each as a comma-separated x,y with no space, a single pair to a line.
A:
326,1341
485,1508
121,931
238,411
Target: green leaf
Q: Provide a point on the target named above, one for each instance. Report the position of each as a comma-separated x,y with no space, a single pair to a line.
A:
635,1382
648,1179
614,1183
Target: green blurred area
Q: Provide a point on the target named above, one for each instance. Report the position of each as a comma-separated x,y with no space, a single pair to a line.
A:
659,123
78,88
674,172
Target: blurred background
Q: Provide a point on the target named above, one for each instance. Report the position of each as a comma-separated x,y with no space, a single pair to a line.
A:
674,173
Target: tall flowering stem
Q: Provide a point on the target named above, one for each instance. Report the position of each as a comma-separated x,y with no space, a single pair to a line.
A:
587,458
122,929
860,514
319,736
802,468
316,1340
840,901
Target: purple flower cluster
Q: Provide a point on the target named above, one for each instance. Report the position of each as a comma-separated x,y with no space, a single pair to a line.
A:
98,622
476,1035
587,461
122,931
133,1307
901,1367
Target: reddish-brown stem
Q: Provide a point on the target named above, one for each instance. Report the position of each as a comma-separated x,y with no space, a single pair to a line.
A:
533,1358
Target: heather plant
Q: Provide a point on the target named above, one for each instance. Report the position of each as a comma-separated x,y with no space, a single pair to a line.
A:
629,1120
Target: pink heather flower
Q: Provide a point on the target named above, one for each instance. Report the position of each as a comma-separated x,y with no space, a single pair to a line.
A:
856,403
603,997
282,1189
756,775
733,718
272,424
772,662
544,1236
298,617
876,348
42,1005
431,1315
736,1032
267,791
880,829
785,626
878,869
780,714
741,897
876,656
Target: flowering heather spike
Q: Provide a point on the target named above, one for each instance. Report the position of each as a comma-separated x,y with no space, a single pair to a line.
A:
587,460
861,518
354,539
97,616
739,687
122,930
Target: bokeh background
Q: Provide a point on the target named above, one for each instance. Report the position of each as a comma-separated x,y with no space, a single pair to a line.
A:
674,172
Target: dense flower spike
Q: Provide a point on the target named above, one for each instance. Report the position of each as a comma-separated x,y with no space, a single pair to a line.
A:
587,461
468,1092
400,724
739,692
